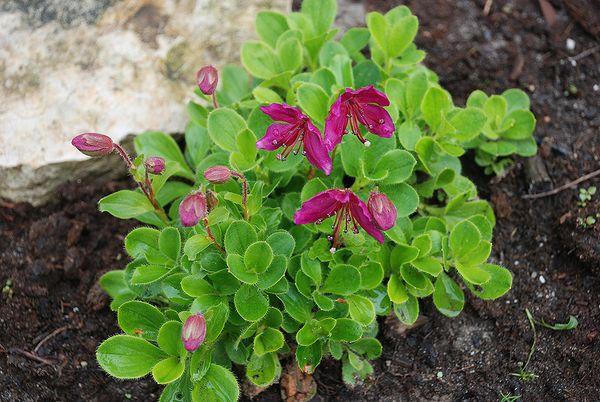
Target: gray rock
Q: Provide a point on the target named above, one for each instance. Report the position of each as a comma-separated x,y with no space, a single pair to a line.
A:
109,66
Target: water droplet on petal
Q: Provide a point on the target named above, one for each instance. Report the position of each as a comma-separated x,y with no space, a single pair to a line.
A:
381,121
370,126
319,221
303,152
274,142
345,131
355,230
332,250
295,152
348,115
275,131
330,238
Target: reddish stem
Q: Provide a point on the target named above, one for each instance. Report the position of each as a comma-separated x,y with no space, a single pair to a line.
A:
210,235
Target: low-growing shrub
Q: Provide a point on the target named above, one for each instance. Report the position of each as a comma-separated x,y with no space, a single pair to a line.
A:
319,188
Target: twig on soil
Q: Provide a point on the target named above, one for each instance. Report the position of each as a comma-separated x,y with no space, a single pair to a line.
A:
563,187
487,7
585,53
50,336
32,356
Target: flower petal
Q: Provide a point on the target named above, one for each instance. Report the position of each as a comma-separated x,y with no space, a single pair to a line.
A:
363,217
318,207
369,94
282,112
316,152
335,124
274,137
377,120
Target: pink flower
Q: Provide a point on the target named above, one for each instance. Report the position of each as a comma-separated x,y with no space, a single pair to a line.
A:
217,174
346,206
193,332
93,144
296,133
155,164
364,106
207,79
383,210
193,209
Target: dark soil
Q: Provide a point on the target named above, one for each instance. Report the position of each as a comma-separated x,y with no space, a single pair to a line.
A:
53,255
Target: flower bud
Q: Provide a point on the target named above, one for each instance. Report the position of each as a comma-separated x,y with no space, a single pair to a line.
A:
383,210
93,144
193,332
192,209
217,174
155,165
207,78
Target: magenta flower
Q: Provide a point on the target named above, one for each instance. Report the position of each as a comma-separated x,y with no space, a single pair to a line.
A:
193,209
364,106
348,208
207,79
296,133
193,332
155,165
218,174
93,144
382,210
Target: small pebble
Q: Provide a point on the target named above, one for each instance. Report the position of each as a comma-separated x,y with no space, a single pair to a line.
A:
573,62
542,279
83,364
76,309
440,374
596,87
534,274
570,44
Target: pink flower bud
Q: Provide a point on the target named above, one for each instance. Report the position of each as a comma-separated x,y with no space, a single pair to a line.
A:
192,209
207,78
383,210
93,144
193,332
217,174
155,165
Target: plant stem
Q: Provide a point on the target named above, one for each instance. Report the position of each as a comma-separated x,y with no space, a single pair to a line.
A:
244,181
124,155
210,235
214,100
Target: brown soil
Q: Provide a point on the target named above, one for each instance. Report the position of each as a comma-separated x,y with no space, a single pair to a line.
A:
53,255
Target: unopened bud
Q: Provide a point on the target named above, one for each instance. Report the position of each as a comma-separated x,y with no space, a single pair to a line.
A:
193,332
192,209
155,165
217,174
383,210
207,78
93,144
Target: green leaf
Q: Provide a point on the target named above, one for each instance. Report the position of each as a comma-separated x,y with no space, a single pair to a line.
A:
266,95
169,243
499,283
270,340
314,101
408,312
464,237
398,164
196,244
361,309
224,125
321,13
113,283
238,268
402,254
408,134
366,73
250,303
216,318
346,330
429,265
404,197
197,142
522,127
413,277
312,269
296,305
168,370
355,39
396,290
273,274
236,82
239,236
146,274
448,297
309,357
282,243
195,286
378,28
473,273
329,51
125,204
263,370
127,357
258,256
270,25
343,279
571,324
140,240
468,122
218,384
516,99
401,34
290,54
369,346
140,319
260,60
371,275
434,106
169,338
154,143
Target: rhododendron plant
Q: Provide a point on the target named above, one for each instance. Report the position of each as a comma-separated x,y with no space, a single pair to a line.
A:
272,233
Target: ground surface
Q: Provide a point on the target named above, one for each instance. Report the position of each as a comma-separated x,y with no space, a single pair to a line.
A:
53,255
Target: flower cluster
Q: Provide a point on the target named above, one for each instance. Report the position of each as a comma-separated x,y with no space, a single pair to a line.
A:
272,221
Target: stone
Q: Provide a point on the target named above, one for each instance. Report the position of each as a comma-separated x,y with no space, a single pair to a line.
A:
118,67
